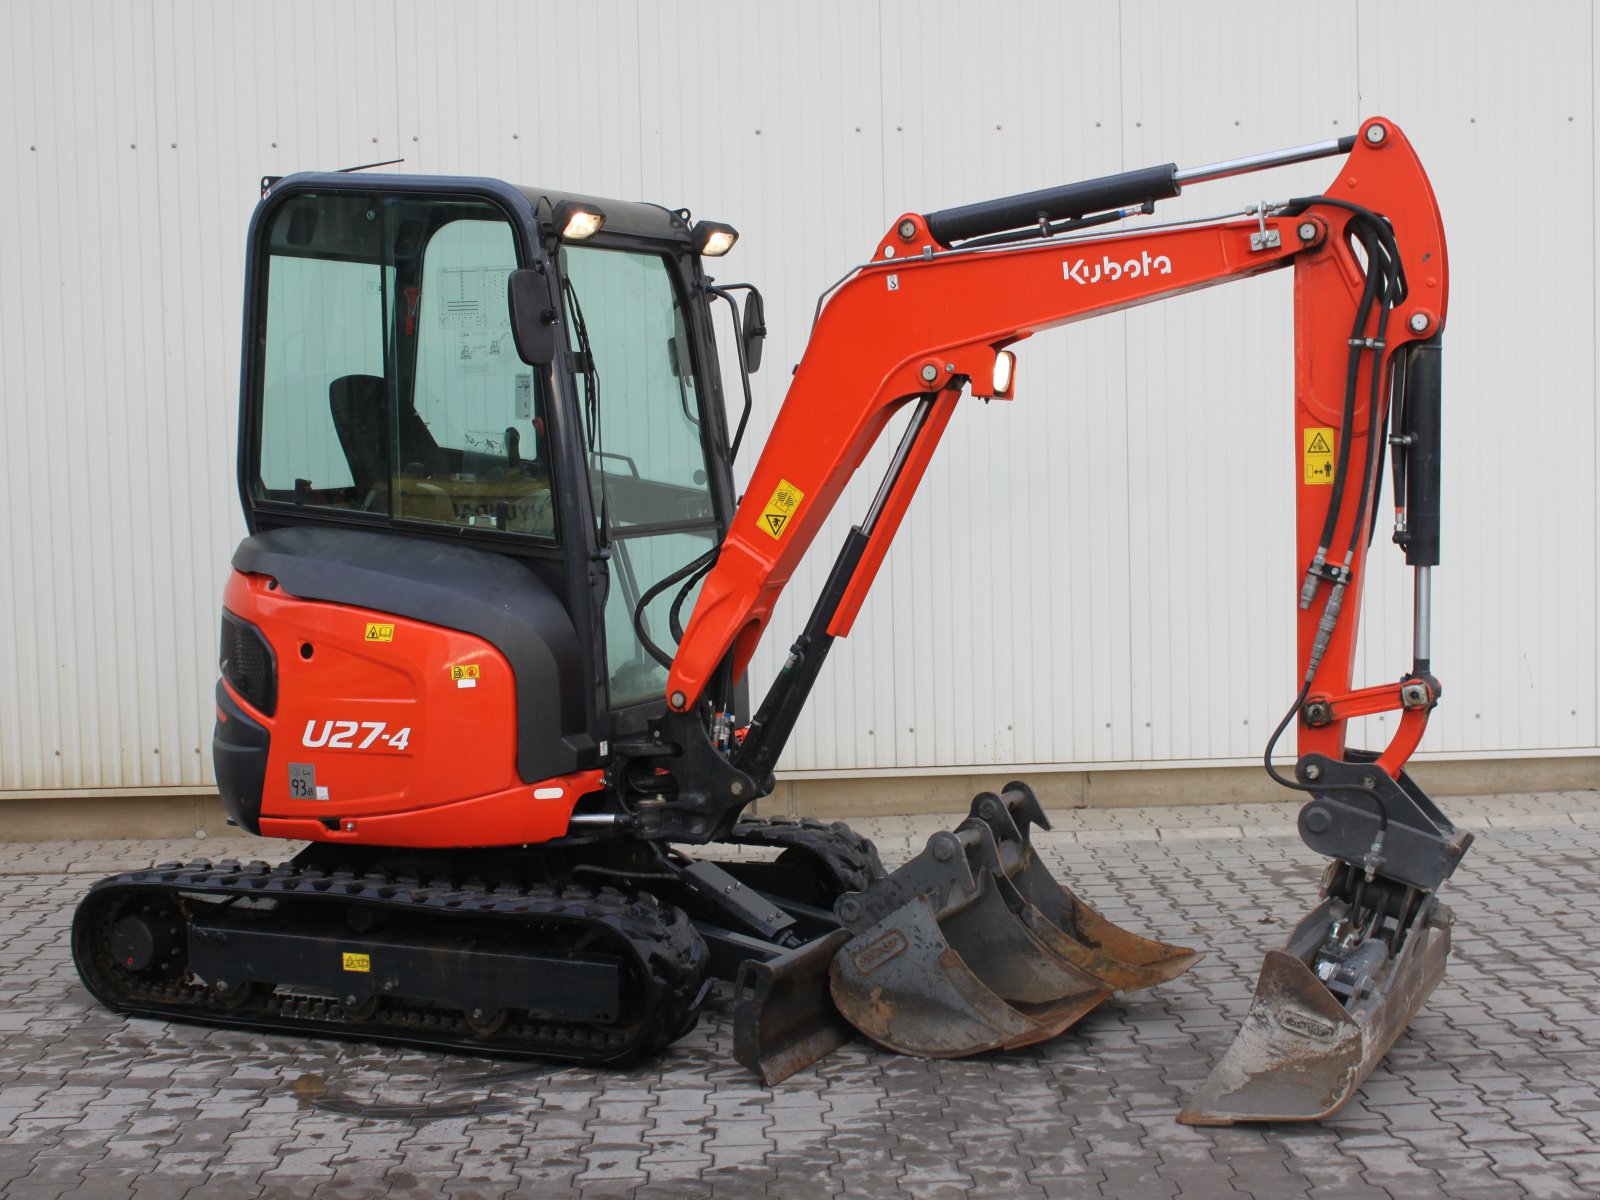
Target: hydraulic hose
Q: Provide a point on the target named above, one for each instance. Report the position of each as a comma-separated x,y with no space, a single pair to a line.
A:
1384,288
701,565
1295,785
675,616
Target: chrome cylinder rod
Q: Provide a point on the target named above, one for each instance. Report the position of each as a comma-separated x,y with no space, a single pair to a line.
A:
908,439
1422,617
1260,162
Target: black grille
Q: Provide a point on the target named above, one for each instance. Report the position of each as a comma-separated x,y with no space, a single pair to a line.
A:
248,665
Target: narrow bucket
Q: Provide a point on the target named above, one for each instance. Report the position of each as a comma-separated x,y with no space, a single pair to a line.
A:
1302,1052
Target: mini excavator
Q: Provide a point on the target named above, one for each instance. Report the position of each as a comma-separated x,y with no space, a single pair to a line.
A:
485,460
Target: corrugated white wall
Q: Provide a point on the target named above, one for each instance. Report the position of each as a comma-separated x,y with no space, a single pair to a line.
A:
1099,573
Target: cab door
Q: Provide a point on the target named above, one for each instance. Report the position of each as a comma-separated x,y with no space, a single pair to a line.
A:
650,452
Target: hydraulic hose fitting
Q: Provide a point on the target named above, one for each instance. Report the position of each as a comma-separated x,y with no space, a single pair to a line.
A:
1374,858
1330,618
1308,589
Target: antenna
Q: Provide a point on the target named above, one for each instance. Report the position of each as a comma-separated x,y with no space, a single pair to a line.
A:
368,166
267,181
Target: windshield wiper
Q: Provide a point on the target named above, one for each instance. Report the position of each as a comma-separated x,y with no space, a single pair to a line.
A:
593,440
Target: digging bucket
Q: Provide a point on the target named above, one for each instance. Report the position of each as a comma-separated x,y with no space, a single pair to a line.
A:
970,946
1354,972
1074,931
939,966
1303,1051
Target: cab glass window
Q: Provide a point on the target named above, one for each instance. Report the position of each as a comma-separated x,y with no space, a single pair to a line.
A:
485,462
630,343
390,388
637,386
325,321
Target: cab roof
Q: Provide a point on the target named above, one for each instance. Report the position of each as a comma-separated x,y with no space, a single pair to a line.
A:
622,216
628,217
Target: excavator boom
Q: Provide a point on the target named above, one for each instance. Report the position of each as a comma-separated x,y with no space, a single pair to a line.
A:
923,320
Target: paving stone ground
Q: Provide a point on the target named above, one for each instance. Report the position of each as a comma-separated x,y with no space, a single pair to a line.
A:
1494,1092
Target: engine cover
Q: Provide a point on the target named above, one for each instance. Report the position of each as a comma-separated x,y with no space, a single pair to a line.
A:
343,721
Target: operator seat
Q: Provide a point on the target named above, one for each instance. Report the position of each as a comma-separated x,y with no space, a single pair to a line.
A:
360,408
360,413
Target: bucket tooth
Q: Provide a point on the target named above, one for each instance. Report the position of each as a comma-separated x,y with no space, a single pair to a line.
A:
1074,931
1302,1053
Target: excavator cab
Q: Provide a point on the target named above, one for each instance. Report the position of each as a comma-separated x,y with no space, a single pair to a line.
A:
471,377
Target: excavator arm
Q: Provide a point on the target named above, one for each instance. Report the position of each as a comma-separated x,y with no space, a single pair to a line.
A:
971,946
925,320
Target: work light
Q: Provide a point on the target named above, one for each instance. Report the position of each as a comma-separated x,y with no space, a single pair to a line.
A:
1005,366
577,221
714,239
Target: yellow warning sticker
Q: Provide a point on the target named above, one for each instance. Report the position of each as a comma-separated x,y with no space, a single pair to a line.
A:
360,963
775,516
1319,444
465,671
379,633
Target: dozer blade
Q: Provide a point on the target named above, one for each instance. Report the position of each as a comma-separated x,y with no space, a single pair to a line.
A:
1302,1053
784,1019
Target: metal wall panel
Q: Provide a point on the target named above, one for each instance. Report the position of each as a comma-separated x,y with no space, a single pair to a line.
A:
1098,573
1511,120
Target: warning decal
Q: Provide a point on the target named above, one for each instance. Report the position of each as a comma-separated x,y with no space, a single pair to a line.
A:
379,633
775,516
465,674
360,963
1319,443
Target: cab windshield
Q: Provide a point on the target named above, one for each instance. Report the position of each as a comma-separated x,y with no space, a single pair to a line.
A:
648,468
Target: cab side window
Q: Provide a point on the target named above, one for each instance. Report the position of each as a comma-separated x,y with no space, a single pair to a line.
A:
391,389
483,459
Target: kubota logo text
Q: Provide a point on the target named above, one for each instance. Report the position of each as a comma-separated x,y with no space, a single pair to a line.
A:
1297,1020
880,951
1111,269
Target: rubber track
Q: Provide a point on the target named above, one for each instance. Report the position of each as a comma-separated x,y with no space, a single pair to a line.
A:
664,945
849,858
